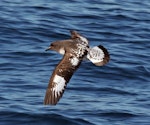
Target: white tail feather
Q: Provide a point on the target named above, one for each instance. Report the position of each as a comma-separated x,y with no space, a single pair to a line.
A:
98,55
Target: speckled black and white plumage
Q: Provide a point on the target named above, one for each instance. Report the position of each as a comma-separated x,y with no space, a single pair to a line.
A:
73,51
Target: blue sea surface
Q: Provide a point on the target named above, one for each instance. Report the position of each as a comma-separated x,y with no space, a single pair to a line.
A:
115,94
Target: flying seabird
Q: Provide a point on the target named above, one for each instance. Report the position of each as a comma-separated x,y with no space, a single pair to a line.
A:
73,51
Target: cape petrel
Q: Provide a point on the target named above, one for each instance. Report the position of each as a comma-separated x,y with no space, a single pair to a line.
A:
74,50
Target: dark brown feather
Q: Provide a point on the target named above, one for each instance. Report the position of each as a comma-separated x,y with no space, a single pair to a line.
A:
64,69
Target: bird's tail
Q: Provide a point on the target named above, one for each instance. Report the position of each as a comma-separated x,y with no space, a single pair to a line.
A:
98,55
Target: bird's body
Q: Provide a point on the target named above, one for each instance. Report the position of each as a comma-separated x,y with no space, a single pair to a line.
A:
74,50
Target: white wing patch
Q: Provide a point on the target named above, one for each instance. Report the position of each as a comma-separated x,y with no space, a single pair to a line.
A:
95,55
84,39
81,48
74,61
59,84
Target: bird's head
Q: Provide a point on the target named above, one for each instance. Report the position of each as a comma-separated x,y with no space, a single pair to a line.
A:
52,46
56,46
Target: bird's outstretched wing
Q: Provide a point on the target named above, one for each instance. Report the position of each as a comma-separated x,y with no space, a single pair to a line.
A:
60,77
98,55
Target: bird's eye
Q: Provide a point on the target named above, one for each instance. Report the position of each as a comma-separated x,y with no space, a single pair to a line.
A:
52,44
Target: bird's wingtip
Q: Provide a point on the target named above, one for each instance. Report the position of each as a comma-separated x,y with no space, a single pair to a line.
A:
74,34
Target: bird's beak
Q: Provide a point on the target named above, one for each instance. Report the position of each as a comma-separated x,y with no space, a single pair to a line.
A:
48,48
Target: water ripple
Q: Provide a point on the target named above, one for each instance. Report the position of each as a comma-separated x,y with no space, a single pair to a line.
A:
117,93
24,118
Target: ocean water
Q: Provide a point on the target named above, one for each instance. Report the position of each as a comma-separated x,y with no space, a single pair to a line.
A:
115,94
